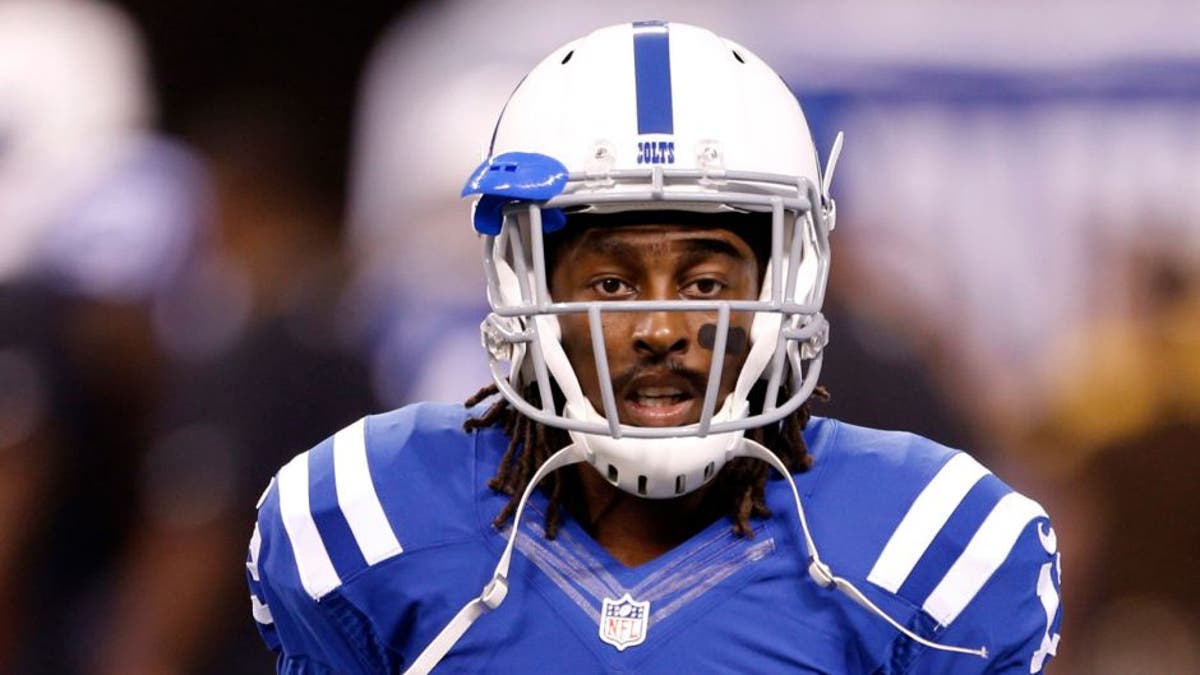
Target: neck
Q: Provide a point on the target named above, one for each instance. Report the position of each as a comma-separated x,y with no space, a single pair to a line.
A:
635,530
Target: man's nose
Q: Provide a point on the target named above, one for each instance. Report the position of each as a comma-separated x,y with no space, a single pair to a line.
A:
660,334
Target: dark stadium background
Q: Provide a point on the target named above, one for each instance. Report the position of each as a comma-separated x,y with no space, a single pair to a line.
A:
300,62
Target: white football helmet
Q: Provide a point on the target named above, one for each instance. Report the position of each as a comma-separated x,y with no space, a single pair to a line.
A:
652,116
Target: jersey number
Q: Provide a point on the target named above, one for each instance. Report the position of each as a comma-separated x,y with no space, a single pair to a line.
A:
1047,591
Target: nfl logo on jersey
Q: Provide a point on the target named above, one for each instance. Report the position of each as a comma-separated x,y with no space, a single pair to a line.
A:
623,622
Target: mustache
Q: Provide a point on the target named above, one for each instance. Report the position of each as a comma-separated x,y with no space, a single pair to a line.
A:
697,379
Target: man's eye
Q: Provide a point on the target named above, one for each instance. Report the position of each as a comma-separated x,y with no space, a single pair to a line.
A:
612,286
704,288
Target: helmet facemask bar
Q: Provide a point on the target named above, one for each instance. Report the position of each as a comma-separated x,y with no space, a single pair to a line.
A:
523,330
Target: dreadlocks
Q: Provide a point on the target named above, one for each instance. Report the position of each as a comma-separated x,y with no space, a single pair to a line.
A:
740,485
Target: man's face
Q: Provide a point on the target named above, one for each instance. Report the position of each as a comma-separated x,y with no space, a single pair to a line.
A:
659,361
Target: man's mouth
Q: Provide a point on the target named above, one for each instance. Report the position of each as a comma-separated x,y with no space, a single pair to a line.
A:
659,404
659,397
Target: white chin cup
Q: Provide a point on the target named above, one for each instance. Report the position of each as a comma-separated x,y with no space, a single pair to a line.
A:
657,468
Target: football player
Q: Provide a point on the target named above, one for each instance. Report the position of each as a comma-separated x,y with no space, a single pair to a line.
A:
643,487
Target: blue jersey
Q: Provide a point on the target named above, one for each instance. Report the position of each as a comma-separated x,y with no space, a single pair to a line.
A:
369,543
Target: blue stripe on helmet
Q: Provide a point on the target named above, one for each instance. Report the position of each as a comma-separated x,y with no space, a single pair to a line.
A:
652,72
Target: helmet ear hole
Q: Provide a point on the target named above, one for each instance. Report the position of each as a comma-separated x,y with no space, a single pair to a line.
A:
642,482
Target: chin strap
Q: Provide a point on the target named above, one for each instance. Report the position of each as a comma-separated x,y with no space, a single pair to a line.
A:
820,571
497,588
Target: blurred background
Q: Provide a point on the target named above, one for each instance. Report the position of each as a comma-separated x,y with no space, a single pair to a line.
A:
229,229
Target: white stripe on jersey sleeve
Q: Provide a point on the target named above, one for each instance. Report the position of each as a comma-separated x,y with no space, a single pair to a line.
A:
261,612
983,555
312,559
925,518
357,497
255,547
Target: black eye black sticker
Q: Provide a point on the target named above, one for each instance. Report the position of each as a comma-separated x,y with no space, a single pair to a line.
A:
735,344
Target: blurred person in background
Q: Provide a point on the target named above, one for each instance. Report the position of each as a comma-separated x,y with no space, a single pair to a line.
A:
424,105
909,388
168,334
1119,444
101,220
239,400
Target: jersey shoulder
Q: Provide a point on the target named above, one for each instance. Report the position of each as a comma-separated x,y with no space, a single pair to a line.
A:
932,527
386,484
382,487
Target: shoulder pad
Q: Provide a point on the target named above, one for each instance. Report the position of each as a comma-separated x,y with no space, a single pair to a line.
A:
954,535
931,525
331,512
376,488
